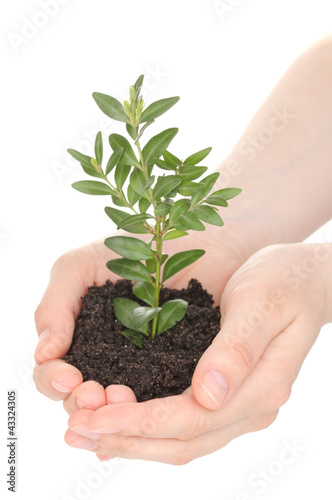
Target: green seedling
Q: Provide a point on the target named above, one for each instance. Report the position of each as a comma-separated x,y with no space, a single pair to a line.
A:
165,207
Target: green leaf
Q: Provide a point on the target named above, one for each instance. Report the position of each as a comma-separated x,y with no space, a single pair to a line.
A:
165,184
130,270
178,209
171,312
133,197
99,148
172,160
138,181
188,188
150,182
128,157
143,205
158,108
142,129
139,82
142,315
114,159
208,214
179,261
197,157
121,174
155,146
162,208
86,164
135,337
227,193
119,215
162,164
206,185
144,291
134,219
111,107
130,130
151,265
175,233
189,221
189,173
118,201
128,247
216,200
124,311
92,187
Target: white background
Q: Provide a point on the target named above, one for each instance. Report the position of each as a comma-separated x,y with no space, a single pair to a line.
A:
223,67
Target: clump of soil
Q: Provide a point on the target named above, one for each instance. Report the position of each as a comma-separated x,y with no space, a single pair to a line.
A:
165,365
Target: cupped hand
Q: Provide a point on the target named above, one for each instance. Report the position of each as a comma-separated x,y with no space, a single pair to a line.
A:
271,316
73,273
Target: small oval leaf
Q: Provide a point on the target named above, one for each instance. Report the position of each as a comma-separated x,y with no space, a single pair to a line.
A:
93,187
144,291
128,247
99,148
124,311
114,159
158,108
130,270
209,215
171,313
165,185
197,157
175,233
142,315
134,337
179,261
111,107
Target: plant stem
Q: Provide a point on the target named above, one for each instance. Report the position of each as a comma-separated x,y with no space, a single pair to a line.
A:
159,250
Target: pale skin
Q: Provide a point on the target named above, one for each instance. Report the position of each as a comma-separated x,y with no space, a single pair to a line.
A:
275,293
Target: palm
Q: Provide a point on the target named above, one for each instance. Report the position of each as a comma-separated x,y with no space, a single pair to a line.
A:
85,266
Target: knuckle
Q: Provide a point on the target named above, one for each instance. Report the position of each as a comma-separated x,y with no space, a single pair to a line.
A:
262,421
198,425
242,352
278,397
182,456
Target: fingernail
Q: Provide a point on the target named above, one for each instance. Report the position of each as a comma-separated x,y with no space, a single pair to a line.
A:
84,443
59,387
42,338
215,385
83,430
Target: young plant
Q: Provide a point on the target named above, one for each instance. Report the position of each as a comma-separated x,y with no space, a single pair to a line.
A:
154,205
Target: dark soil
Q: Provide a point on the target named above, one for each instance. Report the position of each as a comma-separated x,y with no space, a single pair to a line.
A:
165,365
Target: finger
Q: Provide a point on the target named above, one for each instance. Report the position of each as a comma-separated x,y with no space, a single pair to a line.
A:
56,379
250,320
119,394
89,395
178,417
172,451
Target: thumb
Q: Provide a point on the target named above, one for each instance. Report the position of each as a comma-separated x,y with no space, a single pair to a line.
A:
55,315
248,325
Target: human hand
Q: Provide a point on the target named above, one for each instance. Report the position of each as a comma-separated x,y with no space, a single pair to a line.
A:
60,306
272,310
